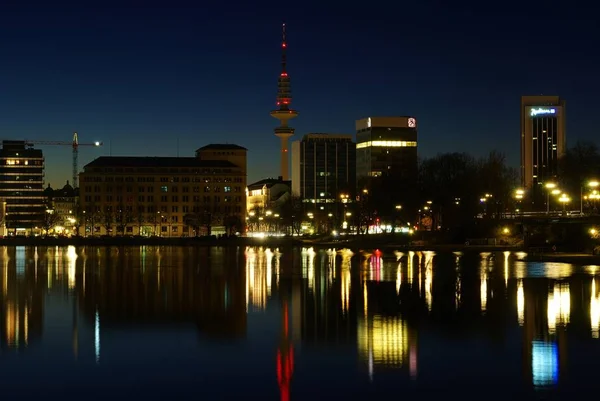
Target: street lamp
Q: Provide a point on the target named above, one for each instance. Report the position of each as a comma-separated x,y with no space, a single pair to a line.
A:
589,184
549,186
564,199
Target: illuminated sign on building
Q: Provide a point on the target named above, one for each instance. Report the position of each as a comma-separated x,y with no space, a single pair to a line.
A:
538,111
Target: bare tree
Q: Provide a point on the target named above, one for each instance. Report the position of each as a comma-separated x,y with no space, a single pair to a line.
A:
140,219
123,217
51,220
107,219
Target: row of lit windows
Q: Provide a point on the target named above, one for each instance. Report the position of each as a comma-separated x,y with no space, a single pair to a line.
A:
160,179
19,162
157,213
164,199
387,144
164,188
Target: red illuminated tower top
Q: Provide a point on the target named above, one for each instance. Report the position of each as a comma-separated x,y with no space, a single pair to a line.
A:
284,88
283,112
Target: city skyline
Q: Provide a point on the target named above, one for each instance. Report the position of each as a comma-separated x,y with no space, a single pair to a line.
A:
158,82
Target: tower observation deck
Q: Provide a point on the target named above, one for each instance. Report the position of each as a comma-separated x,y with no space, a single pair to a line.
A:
284,112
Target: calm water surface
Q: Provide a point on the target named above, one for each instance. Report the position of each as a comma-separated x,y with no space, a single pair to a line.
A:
179,323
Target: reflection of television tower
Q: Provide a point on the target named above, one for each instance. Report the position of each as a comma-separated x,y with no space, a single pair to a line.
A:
285,358
284,112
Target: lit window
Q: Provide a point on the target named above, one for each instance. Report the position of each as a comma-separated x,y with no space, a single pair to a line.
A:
387,144
164,188
227,189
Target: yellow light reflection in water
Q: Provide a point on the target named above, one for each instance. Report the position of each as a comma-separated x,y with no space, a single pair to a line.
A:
428,278
559,306
308,266
256,280
72,263
409,273
595,310
383,341
345,281
520,303
269,255
506,256
483,276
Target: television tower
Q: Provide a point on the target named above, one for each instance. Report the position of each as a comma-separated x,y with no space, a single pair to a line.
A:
284,113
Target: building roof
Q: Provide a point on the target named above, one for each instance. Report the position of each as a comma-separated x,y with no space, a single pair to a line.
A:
221,146
330,137
269,182
135,161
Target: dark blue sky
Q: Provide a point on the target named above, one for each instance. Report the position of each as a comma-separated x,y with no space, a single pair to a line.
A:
139,75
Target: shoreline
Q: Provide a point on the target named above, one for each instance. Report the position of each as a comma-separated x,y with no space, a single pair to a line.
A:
356,245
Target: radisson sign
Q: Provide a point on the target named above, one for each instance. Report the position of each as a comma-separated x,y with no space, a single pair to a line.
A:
540,110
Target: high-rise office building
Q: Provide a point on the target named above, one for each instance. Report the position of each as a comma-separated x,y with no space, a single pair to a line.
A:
22,187
323,167
386,158
543,138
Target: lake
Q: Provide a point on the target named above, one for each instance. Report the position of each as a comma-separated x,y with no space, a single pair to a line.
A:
225,323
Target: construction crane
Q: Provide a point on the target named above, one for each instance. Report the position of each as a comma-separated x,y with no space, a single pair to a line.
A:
75,145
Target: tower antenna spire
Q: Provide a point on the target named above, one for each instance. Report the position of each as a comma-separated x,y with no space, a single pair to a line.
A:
283,112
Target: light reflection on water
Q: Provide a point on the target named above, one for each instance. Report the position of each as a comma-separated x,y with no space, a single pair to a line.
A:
403,312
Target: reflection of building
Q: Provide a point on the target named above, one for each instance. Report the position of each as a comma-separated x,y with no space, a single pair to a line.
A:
543,138
266,194
327,299
262,265
167,196
323,167
154,286
545,318
21,187
384,341
285,357
22,298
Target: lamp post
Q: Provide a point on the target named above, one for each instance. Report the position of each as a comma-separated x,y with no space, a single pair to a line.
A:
564,199
549,186
590,184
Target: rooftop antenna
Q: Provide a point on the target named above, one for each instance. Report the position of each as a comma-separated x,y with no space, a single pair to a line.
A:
177,147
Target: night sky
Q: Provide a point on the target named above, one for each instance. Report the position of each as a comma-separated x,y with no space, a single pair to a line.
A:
144,76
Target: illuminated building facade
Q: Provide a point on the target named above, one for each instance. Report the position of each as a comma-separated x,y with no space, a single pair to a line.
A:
386,147
323,167
284,112
165,196
386,158
269,193
63,202
21,187
543,138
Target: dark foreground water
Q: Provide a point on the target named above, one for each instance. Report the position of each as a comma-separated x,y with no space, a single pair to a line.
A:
172,323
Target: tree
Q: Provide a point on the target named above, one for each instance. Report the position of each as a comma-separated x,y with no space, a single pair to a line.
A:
193,221
107,219
449,182
123,217
233,224
497,179
292,214
51,220
140,219
579,165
